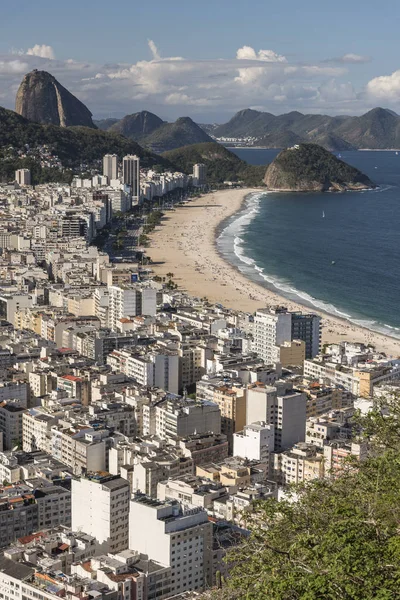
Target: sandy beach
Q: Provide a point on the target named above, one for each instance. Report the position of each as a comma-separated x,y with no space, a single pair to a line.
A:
184,244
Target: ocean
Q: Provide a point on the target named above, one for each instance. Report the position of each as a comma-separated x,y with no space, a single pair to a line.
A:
338,252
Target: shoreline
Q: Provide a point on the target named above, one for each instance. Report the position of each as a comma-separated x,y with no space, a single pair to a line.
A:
186,244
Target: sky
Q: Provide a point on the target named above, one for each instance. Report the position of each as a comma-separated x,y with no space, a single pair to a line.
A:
207,59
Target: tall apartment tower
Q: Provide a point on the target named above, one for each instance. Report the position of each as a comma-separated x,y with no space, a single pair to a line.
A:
282,407
23,176
100,507
175,536
131,301
308,329
271,328
131,175
110,166
199,174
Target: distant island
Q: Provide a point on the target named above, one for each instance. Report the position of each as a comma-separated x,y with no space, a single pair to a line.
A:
311,168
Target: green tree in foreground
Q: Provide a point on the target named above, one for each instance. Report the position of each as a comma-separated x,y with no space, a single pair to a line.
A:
339,541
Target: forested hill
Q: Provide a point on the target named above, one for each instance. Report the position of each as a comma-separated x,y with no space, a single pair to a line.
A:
221,164
73,145
309,168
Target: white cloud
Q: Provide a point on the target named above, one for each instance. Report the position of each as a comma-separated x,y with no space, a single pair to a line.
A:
11,67
212,88
386,87
183,99
350,58
355,58
154,50
248,53
332,91
42,51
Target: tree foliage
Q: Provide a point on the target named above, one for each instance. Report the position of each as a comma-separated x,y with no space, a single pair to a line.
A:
339,539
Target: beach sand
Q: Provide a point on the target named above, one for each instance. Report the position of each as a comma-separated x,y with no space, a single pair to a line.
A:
184,244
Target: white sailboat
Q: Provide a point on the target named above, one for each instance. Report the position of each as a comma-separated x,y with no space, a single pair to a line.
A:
323,214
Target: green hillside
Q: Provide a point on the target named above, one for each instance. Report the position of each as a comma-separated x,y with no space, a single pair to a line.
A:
73,145
222,165
309,167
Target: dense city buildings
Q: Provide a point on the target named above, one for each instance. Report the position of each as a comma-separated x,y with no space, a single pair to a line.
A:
138,425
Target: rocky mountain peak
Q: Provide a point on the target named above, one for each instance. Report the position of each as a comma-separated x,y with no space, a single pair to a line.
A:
41,98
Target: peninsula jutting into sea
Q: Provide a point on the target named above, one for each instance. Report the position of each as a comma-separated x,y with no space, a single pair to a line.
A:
200,347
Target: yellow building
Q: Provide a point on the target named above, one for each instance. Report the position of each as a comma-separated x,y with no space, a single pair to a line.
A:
235,475
291,353
232,404
229,474
29,318
323,398
208,471
81,306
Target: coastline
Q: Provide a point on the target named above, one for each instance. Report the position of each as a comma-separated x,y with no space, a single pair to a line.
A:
185,244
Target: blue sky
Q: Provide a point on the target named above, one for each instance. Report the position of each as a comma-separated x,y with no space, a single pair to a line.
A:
343,58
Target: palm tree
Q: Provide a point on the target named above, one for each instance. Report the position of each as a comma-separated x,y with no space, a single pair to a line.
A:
170,275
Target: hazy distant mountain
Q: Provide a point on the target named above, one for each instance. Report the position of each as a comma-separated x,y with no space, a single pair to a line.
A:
246,123
279,139
332,142
379,128
208,127
138,125
175,135
105,124
41,98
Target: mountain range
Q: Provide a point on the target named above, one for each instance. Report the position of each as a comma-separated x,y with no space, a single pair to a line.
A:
156,134
79,148
42,99
377,129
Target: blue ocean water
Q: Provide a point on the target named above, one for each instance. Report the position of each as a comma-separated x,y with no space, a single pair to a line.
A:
346,262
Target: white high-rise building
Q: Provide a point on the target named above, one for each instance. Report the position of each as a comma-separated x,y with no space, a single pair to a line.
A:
156,368
271,328
282,407
110,166
131,175
23,176
255,442
131,301
175,536
199,174
100,507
